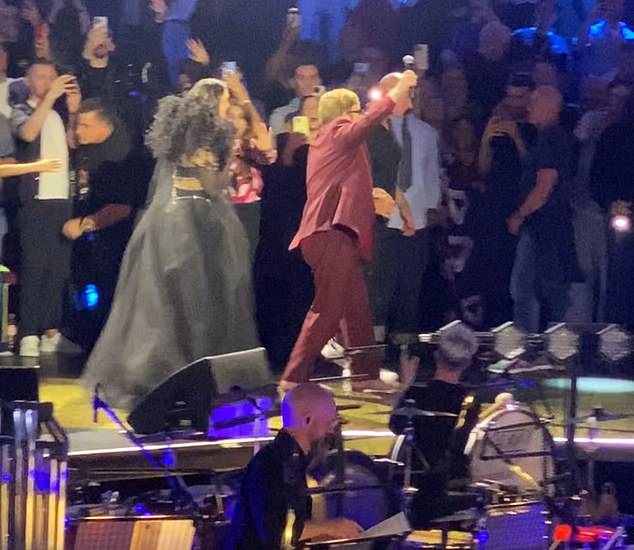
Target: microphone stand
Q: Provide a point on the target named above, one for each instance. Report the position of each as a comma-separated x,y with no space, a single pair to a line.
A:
180,493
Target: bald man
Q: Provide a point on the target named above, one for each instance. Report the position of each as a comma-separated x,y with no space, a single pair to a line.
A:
405,162
545,259
275,480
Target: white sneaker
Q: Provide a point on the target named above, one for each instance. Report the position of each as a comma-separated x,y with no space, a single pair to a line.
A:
30,346
59,344
333,350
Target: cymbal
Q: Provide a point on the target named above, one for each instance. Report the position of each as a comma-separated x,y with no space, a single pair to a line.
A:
241,420
411,412
602,417
589,427
463,515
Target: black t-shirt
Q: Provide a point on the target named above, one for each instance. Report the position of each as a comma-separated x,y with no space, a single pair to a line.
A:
274,481
552,150
435,436
612,173
551,226
385,156
440,444
109,173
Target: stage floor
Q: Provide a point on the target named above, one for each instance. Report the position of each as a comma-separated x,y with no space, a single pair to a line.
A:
101,446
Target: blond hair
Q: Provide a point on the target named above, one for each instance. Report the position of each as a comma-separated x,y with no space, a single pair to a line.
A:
337,103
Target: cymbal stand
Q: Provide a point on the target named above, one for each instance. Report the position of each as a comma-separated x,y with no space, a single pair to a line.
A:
408,492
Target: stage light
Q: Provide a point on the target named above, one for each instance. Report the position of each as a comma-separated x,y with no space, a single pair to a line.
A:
375,94
90,297
621,223
561,342
614,343
509,341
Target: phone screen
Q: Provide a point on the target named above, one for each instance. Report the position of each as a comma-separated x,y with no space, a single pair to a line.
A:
301,125
421,57
228,67
100,21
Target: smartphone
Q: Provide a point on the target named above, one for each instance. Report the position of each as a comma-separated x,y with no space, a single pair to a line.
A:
301,125
293,18
100,21
228,68
421,57
361,68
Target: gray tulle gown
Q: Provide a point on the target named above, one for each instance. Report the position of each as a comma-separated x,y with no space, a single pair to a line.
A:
184,292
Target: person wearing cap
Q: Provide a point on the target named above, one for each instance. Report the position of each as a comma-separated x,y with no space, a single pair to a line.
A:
441,440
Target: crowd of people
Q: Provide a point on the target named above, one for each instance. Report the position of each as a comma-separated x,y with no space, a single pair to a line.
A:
479,184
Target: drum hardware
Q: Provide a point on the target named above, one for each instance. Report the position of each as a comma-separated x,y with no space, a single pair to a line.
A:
599,415
413,412
180,493
241,420
598,536
408,492
512,447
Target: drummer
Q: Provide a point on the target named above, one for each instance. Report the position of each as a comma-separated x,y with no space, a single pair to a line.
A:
441,440
275,480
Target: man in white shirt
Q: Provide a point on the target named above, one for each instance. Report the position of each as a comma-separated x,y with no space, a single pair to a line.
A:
304,82
396,275
45,206
5,109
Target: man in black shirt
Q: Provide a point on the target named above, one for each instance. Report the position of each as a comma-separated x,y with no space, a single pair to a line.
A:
441,440
274,509
111,182
545,259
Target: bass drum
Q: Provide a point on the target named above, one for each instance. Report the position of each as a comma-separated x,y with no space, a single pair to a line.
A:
521,437
365,506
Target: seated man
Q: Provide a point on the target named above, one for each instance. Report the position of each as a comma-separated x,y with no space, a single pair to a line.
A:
441,440
274,508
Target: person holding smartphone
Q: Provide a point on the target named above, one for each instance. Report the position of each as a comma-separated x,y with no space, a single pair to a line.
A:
43,132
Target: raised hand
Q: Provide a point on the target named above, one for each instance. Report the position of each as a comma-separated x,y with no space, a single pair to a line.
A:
59,86
73,96
198,52
263,140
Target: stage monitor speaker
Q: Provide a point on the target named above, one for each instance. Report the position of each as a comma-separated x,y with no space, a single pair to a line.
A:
187,397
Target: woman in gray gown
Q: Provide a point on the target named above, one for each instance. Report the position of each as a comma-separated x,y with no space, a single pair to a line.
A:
184,290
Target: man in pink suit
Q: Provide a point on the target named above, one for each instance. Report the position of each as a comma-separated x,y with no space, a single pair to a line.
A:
336,232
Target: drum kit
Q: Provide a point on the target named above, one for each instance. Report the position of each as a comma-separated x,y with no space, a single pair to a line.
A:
517,470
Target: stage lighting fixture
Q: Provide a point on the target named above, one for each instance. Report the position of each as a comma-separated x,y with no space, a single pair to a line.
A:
375,94
621,223
561,342
614,343
509,341
90,297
